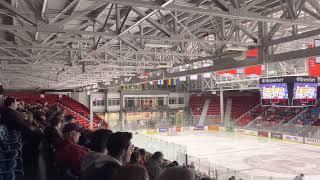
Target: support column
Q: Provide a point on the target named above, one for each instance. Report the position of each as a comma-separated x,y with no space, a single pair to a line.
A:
221,107
263,57
121,111
91,110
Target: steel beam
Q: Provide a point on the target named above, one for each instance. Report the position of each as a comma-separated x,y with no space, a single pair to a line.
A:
80,13
108,35
66,9
231,14
154,23
17,12
293,37
230,64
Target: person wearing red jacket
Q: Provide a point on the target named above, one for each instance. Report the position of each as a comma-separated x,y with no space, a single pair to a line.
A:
69,154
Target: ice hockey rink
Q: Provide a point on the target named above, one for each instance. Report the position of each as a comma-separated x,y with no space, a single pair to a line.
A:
254,157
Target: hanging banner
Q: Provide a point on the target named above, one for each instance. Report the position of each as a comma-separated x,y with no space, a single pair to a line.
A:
230,72
252,53
253,70
314,62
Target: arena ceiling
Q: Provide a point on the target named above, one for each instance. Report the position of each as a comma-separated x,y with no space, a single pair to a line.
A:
56,44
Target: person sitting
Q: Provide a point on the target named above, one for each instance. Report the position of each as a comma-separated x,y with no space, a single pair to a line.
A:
143,154
119,151
175,173
69,154
85,137
131,172
69,119
135,157
98,156
153,166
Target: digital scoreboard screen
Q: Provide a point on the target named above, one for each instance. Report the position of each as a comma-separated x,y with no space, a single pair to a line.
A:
289,91
304,94
275,94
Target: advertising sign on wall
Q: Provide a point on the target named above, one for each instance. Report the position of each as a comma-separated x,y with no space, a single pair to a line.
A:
263,134
312,141
247,132
163,130
293,138
229,129
276,136
213,128
198,128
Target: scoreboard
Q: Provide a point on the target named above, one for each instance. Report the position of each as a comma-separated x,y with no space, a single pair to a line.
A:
289,91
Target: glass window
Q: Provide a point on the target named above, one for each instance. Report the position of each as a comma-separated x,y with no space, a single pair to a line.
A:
98,102
172,100
181,100
161,101
114,102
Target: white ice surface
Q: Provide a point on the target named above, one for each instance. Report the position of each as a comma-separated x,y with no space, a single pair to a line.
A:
251,155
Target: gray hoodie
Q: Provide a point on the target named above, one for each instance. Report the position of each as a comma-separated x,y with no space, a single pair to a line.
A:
94,159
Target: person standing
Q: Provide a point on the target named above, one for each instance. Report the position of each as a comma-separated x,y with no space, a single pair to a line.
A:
153,166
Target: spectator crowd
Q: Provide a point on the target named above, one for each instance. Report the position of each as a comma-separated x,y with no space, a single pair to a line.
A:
54,147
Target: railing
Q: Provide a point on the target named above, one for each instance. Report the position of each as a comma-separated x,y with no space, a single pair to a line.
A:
171,151
218,172
179,153
147,108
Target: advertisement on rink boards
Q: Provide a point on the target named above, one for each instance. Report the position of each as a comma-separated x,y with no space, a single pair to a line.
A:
196,128
247,132
229,129
312,141
152,131
263,134
292,138
213,128
276,136
161,130
185,129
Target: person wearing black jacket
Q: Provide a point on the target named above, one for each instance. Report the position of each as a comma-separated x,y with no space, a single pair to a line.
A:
11,118
31,137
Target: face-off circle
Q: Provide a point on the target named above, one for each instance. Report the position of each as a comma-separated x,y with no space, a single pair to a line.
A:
285,164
